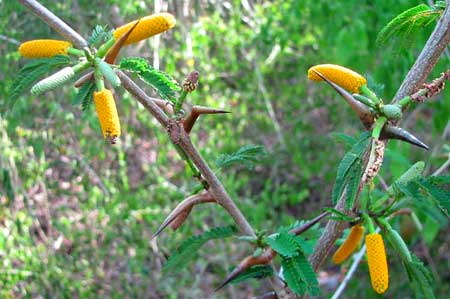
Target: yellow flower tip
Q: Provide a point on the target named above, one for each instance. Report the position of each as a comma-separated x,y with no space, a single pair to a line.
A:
376,259
40,48
107,114
147,27
342,76
349,245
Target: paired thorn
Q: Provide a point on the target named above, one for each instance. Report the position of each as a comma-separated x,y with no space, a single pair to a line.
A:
177,217
367,118
196,111
248,262
391,132
359,108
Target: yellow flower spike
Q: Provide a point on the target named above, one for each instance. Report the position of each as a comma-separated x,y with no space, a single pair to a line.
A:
350,244
344,77
147,27
107,114
378,267
40,48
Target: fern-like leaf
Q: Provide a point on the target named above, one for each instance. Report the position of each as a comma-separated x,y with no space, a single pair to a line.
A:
99,35
420,279
188,249
84,95
405,24
354,179
258,272
308,274
439,188
299,275
248,156
283,243
31,72
161,82
347,163
293,275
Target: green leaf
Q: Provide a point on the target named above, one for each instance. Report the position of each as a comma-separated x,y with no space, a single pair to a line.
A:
439,188
293,275
377,87
30,73
347,163
248,156
84,95
308,274
420,279
354,179
100,34
188,249
412,173
345,139
299,275
161,82
260,271
283,243
406,23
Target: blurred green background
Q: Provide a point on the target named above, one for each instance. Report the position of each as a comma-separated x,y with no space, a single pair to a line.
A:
77,214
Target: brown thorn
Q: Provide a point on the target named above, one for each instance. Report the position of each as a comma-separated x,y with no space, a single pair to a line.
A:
248,262
359,108
302,228
207,110
183,206
87,77
115,49
188,122
179,220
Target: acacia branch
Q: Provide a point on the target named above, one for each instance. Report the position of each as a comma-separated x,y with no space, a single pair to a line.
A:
424,64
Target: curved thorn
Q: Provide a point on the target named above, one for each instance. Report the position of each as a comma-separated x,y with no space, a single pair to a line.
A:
183,206
302,228
248,262
180,218
114,51
188,122
207,110
360,109
391,132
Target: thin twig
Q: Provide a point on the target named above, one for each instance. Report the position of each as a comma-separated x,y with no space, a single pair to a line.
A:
9,40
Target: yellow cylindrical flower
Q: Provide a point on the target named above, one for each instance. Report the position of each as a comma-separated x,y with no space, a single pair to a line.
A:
350,244
107,114
147,27
40,48
342,76
378,267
